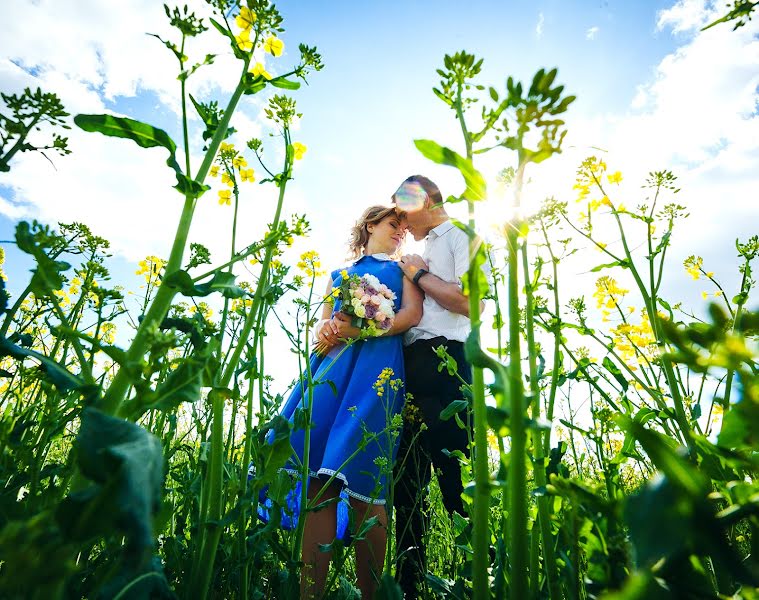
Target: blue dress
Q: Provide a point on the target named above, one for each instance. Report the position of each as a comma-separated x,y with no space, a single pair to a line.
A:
353,437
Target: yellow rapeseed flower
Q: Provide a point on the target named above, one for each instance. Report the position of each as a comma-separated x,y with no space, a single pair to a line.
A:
704,295
239,162
274,46
615,177
247,175
225,197
225,178
243,40
259,69
226,147
246,18
299,150
214,171
344,274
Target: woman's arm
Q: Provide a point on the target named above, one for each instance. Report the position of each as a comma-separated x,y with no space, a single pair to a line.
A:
410,312
326,337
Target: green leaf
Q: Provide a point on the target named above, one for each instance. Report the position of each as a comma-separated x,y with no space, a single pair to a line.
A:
222,282
388,589
617,263
453,408
145,136
476,188
667,459
47,274
274,451
125,464
615,372
284,83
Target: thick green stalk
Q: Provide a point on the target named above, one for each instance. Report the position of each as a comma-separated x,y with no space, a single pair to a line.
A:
113,400
215,503
517,471
480,530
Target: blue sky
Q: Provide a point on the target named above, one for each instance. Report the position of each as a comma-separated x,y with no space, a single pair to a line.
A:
653,91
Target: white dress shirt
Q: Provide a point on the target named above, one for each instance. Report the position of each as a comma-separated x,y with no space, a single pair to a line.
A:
446,253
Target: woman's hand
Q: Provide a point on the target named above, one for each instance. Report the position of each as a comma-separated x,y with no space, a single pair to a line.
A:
341,325
335,331
326,337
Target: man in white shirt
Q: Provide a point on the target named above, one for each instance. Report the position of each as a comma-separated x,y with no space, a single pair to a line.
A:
445,322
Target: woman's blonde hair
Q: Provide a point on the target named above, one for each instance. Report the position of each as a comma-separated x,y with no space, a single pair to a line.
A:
360,231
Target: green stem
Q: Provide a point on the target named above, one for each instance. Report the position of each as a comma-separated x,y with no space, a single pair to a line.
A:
215,482
517,470
480,530
540,464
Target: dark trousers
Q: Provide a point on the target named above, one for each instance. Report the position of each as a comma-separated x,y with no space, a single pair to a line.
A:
420,449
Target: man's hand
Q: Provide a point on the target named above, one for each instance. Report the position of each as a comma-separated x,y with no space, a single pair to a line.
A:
411,263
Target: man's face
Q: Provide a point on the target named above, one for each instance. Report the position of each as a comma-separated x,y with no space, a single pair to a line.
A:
415,224
412,199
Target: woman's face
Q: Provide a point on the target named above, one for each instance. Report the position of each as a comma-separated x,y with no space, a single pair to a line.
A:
388,234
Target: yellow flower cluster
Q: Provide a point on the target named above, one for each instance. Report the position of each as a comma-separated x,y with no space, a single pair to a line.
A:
203,309
633,342
608,295
108,333
64,296
228,154
245,21
310,264
694,266
3,276
411,412
589,175
151,268
384,379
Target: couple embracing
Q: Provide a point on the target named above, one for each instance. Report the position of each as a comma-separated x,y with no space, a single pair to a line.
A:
415,304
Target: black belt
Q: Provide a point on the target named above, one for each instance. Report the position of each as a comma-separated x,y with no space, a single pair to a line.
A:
434,342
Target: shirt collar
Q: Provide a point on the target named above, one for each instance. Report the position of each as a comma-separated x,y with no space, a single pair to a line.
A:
378,256
441,229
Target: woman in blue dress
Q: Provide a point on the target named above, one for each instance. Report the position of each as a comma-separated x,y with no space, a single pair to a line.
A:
350,450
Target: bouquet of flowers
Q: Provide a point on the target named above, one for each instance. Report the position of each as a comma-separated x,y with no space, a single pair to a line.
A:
370,303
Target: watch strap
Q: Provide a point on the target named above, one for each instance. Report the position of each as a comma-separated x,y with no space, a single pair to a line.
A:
418,275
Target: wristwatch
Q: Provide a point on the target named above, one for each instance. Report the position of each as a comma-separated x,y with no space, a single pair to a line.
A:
418,275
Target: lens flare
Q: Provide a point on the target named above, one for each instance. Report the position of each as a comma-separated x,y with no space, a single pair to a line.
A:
410,196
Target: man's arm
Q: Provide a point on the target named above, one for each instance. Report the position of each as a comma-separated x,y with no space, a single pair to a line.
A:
446,294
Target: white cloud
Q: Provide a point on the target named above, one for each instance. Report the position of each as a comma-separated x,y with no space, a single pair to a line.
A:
92,55
539,26
686,15
697,116
591,33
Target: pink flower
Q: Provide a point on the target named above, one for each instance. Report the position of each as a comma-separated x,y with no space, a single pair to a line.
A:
380,316
358,293
365,299
376,299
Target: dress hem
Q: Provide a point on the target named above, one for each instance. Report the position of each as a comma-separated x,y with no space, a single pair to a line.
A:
344,479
